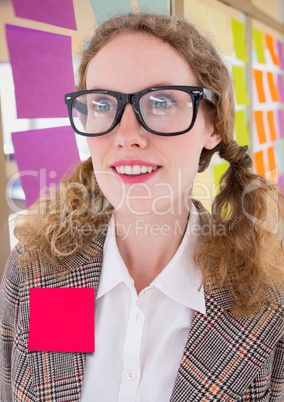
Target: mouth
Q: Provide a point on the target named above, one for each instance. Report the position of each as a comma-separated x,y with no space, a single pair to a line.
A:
135,170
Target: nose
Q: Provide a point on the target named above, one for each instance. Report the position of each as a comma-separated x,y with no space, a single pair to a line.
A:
129,132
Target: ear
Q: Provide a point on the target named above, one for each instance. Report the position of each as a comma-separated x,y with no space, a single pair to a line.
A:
212,140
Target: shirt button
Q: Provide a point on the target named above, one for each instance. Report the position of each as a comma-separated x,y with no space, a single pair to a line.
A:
131,375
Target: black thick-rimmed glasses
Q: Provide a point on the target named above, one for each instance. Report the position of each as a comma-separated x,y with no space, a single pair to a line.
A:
163,110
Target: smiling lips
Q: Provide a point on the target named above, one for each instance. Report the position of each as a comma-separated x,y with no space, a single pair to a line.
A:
135,169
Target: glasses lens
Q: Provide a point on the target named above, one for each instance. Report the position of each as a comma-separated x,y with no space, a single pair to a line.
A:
167,110
94,113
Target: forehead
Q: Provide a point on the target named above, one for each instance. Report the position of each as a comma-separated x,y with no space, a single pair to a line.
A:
136,61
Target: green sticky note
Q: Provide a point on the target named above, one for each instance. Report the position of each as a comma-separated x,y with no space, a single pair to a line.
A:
218,171
258,45
239,39
157,6
109,8
279,150
241,128
238,73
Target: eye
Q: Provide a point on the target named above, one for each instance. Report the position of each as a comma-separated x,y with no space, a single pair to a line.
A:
103,105
160,102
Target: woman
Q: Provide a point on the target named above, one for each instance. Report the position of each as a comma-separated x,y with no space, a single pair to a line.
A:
189,306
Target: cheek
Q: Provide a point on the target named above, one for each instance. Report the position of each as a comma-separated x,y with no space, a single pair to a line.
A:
96,151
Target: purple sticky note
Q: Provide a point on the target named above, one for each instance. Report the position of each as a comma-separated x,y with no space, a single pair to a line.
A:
42,71
280,116
280,53
280,85
43,157
54,12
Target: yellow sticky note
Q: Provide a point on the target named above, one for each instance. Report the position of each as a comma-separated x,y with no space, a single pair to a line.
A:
258,45
196,12
238,73
219,24
241,128
218,171
239,38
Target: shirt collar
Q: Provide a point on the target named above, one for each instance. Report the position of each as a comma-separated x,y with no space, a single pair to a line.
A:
180,279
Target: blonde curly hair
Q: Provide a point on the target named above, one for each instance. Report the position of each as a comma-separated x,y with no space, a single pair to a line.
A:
248,259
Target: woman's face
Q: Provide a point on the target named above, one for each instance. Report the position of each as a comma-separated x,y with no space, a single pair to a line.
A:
129,63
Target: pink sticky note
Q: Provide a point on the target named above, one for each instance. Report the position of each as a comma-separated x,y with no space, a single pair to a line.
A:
62,320
42,71
280,115
280,86
280,53
43,157
59,13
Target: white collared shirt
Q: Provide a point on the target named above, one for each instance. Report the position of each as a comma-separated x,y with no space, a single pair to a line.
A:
140,338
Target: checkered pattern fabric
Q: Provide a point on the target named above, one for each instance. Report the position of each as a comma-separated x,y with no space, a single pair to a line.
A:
226,358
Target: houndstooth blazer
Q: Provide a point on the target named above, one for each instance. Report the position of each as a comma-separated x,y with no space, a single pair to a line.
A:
225,358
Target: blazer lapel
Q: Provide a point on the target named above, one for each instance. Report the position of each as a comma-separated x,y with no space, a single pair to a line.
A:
57,376
223,353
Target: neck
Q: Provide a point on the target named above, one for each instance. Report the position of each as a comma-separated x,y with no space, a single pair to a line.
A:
148,243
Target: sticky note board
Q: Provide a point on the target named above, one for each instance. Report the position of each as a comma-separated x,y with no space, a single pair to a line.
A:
280,48
258,45
107,8
258,78
272,87
270,43
238,73
219,24
271,125
280,118
43,157
42,71
218,171
54,12
239,39
157,6
279,151
241,128
259,163
62,320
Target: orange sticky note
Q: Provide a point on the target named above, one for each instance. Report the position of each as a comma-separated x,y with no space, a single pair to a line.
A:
259,163
272,165
258,76
271,124
270,45
258,118
271,158
272,87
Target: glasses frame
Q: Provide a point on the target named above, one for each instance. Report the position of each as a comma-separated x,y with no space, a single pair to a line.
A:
196,94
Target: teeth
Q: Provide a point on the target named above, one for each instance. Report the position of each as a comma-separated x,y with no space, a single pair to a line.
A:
135,170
